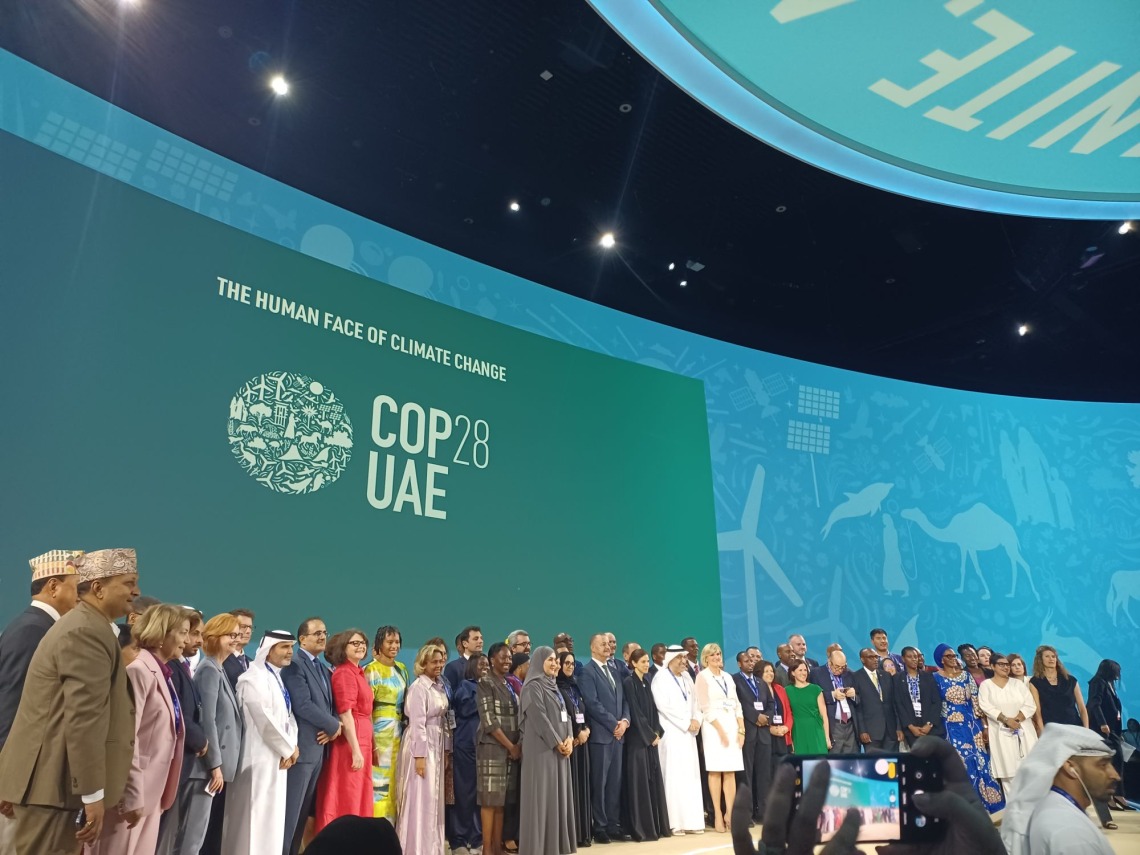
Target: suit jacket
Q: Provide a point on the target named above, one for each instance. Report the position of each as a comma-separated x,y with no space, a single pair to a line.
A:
191,707
454,671
1103,705
783,678
157,762
235,666
748,703
778,690
874,716
822,677
605,704
310,691
20,639
74,732
222,722
930,700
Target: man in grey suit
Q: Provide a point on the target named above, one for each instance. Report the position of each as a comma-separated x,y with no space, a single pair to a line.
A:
310,689
875,721
54,578
784,654
609,716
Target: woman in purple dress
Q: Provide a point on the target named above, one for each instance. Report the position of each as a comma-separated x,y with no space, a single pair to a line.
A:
419,773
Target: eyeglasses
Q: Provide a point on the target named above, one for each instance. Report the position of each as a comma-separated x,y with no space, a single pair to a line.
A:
357,644
233,635
1000,663
318,634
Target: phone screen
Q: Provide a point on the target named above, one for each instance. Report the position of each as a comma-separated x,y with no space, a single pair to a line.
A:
869,784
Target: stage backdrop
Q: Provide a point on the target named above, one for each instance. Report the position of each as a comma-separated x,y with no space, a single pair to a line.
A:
842,501
272,431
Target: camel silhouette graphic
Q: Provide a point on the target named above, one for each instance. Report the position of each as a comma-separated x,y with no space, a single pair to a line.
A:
977,529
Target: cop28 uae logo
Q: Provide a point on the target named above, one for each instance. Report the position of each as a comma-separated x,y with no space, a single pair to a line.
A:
289,432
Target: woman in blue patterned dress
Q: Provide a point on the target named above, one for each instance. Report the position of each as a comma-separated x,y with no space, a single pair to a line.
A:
964,725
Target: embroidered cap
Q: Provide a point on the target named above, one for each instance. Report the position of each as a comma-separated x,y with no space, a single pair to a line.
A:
57,562
106,563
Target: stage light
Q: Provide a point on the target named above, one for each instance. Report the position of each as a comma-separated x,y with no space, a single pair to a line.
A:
684,282
1125,227
671,265
607,241
1023,329
515,207
279,85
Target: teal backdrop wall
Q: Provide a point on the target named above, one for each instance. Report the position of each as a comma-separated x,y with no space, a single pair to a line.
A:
839,501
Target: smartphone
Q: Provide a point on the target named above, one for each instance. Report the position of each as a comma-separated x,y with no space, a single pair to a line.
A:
881,787
81,819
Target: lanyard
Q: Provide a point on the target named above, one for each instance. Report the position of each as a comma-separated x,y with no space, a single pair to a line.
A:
837,680
752,686
723,685
684,694
1065,795
281,685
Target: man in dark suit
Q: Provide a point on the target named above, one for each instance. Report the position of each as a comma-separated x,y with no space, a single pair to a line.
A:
657,655
875,720
841,699
799,650
757,743
692,659
609,718
467,644
310,689
239,663
784,655
54,580
70,746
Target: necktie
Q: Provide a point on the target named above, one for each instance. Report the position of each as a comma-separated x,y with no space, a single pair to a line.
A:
609,676
875,680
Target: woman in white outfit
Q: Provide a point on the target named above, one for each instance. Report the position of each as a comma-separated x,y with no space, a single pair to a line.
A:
676,700
1008,707
722,731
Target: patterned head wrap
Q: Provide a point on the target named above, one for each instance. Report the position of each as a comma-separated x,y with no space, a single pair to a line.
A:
105,563
57,562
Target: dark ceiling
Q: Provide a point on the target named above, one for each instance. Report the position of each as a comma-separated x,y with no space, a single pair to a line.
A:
432,116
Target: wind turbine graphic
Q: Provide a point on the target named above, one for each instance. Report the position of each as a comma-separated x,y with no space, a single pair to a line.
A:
831,626
748,542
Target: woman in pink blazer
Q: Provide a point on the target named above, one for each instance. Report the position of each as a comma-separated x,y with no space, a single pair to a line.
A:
131,827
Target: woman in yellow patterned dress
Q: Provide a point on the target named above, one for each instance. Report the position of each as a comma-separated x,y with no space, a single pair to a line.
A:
389,681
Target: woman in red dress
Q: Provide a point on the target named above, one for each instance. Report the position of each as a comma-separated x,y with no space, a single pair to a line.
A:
345,785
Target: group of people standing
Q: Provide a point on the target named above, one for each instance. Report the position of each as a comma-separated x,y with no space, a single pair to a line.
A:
161,735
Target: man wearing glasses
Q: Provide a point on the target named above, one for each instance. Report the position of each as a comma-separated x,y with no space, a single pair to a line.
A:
1008,707
239,663
310,688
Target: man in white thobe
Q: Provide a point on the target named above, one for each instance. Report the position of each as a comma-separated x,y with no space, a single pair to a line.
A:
676,701
255,804
1008,707
1070,768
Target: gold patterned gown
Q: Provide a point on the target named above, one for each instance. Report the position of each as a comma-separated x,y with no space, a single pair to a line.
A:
964,732
389,683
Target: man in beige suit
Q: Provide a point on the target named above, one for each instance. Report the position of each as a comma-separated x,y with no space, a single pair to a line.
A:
71,744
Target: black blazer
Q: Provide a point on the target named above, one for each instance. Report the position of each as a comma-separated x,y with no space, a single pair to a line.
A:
822,677
748,704
1103,705
874,716
17,644
233,668
931,703
191,703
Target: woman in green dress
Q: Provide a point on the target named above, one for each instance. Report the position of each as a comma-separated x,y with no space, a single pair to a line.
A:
810,731
389,681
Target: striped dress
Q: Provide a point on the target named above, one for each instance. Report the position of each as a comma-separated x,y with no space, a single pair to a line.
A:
497,775
388,684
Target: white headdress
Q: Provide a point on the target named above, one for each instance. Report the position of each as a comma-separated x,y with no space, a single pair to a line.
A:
271,638
1035,777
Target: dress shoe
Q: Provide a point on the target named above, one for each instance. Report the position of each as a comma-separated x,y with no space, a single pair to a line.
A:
601,837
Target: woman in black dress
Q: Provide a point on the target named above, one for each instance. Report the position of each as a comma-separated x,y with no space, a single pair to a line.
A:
1059,696
644,815
1104,714
580,759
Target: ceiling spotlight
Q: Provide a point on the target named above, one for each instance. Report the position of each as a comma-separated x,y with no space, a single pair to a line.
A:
1023,329
684,282
671,265
607,241
279,85
515,207
1125,227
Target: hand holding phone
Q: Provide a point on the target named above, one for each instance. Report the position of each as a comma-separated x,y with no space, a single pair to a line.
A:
787,830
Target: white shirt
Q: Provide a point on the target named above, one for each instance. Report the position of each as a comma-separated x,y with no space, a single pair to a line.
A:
44,607
1058,827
